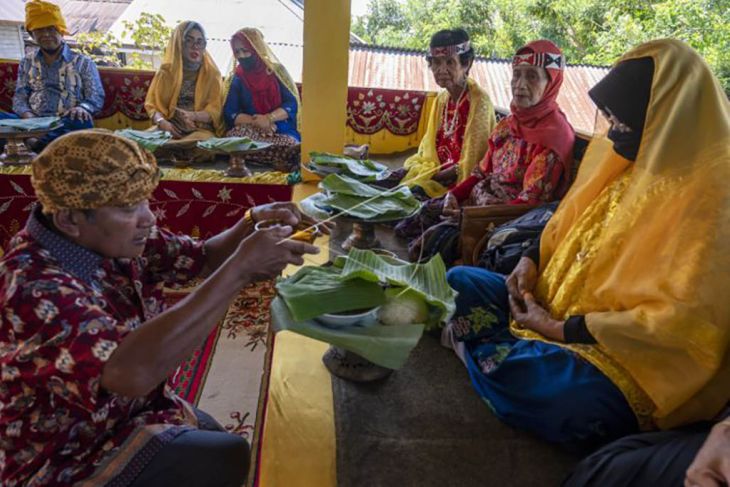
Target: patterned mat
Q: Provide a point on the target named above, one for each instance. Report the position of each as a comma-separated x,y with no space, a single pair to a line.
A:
227,376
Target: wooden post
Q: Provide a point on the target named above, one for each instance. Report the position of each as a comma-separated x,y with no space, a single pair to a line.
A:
324,77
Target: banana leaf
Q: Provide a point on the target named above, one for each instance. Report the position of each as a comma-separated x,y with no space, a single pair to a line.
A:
324,163
387,346
229,145
26,124
359,200
428,280
148,139
313,291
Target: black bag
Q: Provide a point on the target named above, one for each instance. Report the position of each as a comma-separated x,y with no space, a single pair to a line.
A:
508,241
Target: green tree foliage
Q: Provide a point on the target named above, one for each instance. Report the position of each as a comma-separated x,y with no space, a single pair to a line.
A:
149,33
588,31
102,48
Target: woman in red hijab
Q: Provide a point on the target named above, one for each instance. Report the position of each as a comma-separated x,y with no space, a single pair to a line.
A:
528,161
262,102
530,152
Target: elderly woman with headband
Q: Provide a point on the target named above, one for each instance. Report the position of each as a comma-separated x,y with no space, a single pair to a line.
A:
462,114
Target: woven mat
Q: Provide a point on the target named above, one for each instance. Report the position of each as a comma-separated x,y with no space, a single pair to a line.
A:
425,426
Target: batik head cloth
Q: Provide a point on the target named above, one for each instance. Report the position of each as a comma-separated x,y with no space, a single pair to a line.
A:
40,14
93,168
450,50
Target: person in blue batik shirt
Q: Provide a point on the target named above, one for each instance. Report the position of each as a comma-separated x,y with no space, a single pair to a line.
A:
55,81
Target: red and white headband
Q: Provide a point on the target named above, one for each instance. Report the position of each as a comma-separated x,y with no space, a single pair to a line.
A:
450,50
545,60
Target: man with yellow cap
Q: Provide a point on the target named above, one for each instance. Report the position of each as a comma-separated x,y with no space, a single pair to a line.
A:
55,81
86,344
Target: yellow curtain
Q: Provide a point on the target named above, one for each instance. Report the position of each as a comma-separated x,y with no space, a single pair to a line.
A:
165,87
640,248
479,125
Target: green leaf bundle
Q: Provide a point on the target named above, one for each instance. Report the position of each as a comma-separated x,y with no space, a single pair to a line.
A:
324,163
147,139
230,145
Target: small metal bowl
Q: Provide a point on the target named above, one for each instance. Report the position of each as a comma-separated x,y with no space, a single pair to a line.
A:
334,320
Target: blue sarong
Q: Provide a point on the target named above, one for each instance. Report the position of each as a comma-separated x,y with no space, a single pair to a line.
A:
531,385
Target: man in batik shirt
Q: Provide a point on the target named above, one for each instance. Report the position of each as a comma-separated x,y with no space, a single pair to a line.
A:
85,343
55,81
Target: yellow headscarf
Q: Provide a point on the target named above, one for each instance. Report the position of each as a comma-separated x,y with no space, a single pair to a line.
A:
256,38
424,164
640,248
165,86
40,14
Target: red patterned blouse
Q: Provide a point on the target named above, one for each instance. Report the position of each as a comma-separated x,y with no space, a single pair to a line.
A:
450,134
64,311
513,172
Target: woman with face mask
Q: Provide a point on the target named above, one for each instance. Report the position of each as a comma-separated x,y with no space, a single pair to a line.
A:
184,97
528,160
262,102
619,322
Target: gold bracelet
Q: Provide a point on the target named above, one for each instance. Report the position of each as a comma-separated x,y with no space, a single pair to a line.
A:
248,217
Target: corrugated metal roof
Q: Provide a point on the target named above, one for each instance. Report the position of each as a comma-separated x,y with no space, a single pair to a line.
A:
378,67
80,15
91,15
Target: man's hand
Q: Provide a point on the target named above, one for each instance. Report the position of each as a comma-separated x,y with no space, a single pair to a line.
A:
78,113
27,115
288,214
167,126
265,253
532,316
447,177
523,279
711,466
451,209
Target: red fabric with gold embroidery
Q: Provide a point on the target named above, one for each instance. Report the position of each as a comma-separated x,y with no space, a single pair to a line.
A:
201,209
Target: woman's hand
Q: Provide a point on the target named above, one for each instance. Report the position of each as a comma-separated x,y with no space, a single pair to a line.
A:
451,210
264,123
187,119
523,278
711,466
532,316
167,126
448,176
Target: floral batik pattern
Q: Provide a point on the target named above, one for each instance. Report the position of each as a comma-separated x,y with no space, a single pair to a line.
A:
65,309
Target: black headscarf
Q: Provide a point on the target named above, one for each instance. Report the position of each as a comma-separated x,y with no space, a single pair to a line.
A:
625,91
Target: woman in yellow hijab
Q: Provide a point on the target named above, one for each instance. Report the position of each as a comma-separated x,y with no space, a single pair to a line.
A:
185,96
620,320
